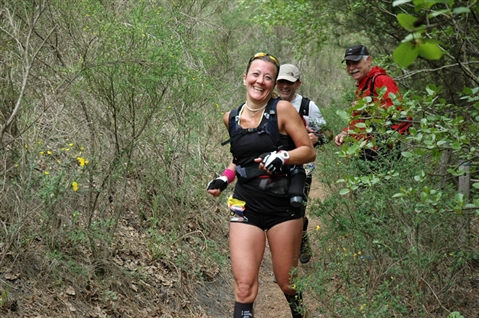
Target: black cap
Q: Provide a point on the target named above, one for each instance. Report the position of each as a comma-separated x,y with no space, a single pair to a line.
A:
355,53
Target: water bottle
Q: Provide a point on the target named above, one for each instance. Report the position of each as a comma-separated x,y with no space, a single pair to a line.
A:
296,186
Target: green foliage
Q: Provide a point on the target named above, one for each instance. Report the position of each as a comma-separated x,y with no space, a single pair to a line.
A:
112,116
379,238
120,98
5,294
304,18
416,43
406,53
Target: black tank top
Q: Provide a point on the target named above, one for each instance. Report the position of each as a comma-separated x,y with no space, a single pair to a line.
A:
245,149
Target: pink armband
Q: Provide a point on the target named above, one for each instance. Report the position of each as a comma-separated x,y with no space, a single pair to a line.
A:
230,174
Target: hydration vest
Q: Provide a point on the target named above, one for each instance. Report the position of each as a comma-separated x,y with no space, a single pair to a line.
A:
270,127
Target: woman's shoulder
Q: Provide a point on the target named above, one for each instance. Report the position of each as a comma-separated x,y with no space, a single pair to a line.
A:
285,106
226,118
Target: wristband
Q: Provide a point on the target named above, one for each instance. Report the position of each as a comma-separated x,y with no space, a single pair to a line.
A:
229,174
284,155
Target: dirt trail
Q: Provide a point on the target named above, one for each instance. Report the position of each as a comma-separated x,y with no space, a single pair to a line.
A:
271,302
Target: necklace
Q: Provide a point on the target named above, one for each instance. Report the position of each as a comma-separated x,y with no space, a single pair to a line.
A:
254,111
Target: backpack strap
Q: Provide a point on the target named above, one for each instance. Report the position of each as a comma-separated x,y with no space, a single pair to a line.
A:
371,83
371,86
270,127
304,108
403,127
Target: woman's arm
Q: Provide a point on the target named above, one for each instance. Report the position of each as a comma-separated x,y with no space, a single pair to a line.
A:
290,123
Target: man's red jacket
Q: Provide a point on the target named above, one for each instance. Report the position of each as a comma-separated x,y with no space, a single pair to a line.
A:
381,79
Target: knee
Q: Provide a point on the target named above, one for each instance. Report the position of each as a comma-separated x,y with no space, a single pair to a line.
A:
286,287
245,292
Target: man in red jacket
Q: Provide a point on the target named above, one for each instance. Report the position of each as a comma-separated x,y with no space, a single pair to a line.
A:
368,80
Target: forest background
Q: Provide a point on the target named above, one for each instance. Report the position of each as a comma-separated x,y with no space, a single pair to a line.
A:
111,120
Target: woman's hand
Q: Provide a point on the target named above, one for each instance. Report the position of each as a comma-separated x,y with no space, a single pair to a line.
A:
272,161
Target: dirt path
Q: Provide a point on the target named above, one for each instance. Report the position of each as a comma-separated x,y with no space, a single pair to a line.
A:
271,302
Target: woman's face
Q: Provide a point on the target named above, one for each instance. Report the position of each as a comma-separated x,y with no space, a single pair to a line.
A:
260,80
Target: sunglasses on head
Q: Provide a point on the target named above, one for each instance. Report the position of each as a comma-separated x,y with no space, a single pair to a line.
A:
259,55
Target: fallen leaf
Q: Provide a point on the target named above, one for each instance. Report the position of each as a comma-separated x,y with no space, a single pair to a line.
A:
70,291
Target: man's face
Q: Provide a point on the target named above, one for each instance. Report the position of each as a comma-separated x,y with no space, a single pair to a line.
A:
287,89
358,70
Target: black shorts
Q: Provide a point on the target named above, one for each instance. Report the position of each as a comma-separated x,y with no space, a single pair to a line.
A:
264,221
264,210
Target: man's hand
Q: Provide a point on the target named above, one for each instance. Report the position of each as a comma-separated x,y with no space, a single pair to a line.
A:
339,139
312,135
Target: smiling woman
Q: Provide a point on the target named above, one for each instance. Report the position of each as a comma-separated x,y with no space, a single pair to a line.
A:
266,150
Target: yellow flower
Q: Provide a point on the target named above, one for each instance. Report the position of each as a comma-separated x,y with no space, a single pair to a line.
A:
46,173
81,161
42,152
71,145
49,152
318,227
75,186
81,148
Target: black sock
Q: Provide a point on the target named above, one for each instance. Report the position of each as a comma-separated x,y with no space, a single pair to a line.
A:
243,310
295,303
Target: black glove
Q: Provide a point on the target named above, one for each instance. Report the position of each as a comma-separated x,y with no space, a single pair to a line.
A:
218,183
273,161
321,139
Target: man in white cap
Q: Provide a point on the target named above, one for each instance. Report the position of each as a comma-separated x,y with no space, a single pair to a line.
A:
288,82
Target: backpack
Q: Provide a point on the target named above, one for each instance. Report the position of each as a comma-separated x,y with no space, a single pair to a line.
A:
304,111
371,81
401,127
270,127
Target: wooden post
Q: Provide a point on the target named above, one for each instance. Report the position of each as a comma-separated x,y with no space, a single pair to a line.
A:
445,159
464,187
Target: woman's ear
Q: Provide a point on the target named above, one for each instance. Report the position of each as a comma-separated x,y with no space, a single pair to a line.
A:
244,79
